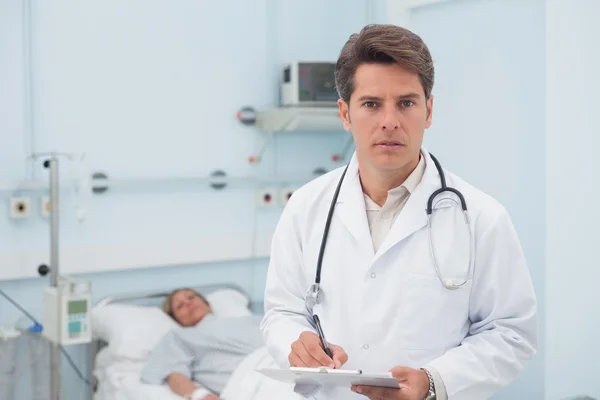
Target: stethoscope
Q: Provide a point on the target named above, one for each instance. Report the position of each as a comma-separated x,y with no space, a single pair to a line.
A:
314,294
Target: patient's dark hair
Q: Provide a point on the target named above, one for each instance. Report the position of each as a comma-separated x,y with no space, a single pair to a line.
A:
168,303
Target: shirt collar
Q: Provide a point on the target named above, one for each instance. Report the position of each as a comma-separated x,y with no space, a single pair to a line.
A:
397,193
413,179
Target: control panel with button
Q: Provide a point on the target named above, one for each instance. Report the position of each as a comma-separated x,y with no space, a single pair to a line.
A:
67,309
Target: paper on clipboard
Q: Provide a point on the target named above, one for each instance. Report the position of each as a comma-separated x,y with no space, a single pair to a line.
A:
330,377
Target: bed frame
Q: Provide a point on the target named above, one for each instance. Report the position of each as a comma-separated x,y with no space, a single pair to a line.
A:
145,299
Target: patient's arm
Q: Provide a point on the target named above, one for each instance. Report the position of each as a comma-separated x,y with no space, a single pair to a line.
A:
170,363
183,386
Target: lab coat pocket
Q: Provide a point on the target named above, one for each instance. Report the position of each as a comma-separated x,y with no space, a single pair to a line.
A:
432,316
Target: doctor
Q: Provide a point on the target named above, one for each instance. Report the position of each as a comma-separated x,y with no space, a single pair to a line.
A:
458,323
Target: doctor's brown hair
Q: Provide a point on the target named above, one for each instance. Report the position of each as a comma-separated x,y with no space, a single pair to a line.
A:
383,44
168,302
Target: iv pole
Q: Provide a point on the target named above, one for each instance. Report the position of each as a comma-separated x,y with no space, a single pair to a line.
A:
52,164
54,347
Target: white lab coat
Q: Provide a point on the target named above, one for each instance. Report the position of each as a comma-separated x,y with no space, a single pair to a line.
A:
389,308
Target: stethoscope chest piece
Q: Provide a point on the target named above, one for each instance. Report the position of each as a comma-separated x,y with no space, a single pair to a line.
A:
314,296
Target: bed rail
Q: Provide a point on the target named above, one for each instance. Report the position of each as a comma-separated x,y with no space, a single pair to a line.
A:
128,298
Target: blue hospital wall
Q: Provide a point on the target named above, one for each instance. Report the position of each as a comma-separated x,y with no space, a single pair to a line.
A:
488,121
573,216
149,89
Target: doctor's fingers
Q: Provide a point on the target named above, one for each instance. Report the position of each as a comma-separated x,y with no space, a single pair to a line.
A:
305,360
310,354
339,355
295,360
378,393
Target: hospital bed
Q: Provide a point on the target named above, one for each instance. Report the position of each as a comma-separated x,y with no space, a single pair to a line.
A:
126,329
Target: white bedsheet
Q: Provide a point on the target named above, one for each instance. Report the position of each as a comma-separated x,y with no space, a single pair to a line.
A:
120,380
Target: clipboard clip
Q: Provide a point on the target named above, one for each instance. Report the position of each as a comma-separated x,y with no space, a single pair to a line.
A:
324,370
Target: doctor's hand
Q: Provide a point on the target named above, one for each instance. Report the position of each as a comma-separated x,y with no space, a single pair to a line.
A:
308,352
414,385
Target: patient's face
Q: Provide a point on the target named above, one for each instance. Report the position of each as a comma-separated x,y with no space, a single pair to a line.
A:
188,309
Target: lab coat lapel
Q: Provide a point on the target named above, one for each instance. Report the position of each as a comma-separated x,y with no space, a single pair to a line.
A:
413,216
350,209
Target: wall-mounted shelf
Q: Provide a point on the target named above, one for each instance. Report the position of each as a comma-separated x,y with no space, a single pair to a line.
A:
287,119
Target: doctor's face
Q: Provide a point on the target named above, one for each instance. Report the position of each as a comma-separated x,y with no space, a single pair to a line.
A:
387,115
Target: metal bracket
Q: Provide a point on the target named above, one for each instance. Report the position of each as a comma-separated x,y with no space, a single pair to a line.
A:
218,185
258,157
344,153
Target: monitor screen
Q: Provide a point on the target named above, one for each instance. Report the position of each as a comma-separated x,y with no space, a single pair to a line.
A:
77,307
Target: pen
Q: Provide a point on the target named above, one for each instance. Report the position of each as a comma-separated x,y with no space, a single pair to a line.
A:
322,336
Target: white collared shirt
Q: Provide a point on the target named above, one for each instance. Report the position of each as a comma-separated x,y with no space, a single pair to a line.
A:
381,219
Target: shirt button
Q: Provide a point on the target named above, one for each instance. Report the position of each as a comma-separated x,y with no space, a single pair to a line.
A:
373,275
366,346
385,215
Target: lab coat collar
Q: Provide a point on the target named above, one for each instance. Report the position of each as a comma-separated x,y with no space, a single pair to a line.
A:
350,207
413,216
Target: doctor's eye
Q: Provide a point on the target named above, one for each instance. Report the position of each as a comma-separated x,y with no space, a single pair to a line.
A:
370,104
406,103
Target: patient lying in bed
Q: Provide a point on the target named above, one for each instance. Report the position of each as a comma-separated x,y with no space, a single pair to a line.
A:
197,359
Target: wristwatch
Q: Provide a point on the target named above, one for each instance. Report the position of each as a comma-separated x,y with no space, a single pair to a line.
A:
431,394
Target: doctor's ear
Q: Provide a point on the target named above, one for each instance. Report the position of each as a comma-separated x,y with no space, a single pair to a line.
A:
345,114
429,108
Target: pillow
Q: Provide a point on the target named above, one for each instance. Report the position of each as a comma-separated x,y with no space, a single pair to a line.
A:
132,331
229,303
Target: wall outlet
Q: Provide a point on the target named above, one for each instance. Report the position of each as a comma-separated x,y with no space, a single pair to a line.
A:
19,207
285,194
45,206
266,198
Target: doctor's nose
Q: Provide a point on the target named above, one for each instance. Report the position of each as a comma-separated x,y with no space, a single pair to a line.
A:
390,127
390,122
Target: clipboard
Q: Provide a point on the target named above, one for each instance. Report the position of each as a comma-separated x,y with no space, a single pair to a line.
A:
331,377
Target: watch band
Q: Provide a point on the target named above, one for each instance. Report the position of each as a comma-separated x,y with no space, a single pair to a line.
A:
431,394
